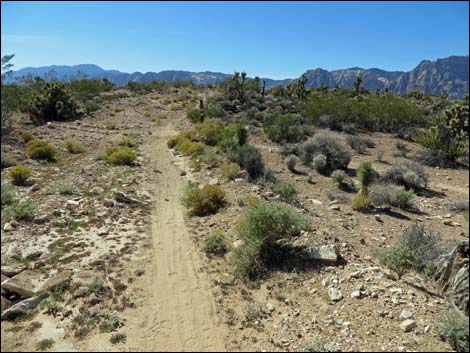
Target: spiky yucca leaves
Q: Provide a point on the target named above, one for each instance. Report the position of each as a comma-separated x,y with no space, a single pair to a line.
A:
366,175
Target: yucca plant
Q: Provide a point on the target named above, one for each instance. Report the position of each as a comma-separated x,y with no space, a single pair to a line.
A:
366,175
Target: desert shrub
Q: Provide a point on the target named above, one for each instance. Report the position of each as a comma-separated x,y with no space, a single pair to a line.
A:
233,136
387,112
20,175
392,195
291,162
205,201
194,115
8,195
27,136
286,128
8,160
91,106
410,175
357,143
230,170
210,131
402,148
119,156
340,196
126,142
41,150
415,250
460,205
117,338
253,311
319,163
251,160
211,158
215,244
287,191
361,202
260,227
379,156
190,148
53,102
337,156
182,136
24,210
454,328
339,176
45,344
318,344
111,324
74,147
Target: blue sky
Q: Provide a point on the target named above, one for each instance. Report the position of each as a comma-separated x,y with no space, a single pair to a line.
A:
268,39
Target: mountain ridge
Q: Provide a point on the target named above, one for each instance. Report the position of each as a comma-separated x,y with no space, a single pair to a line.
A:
449,75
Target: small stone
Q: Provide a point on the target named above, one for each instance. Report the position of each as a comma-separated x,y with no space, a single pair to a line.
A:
239,180
335,294
238,243
182,173
316,202
356,274
326,253
335,207
109,202
214,181
41,219
7,227
80,292
72,205
407,325
35,187
227,279
427,328
405,314
270,307
356,294
97,190
378,218
447,222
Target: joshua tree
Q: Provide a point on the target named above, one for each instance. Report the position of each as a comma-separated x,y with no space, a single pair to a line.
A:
300,89
357,84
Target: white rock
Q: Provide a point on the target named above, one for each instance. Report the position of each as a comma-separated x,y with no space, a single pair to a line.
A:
407,325
356,294
72,205
238,243
335,294
405,314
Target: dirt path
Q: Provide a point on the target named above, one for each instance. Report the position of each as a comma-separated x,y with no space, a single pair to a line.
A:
177,312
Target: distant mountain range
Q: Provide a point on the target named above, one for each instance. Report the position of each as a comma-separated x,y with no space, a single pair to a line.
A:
450,75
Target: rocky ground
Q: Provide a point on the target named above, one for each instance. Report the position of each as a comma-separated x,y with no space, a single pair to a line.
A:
105,230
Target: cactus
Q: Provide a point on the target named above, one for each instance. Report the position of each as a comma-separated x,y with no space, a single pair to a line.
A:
53,102
456,121
357,84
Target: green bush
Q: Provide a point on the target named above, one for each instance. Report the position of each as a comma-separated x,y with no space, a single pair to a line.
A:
8,195
230,170
337,156
24,210
357,143
361,202
318,344
287,191
286,128
250,159
410,175
454,328
417,248
74,147
260,227
27,136
126,142
210,131
190,148
118,156
53,102
205,201
8,160
111,324
20,175
117,338
215,244
45,344
392,195
41,150
386,112
188,135
194,115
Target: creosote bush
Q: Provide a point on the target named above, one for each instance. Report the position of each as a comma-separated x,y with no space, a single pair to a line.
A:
230,170
286,128
27,136
8,195
417,248
42,150
250,159
20,175
215,244
7,160
260,227
74,147
119,156
205,201
287,191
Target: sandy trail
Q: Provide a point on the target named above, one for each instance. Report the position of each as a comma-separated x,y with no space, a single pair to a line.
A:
177,312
